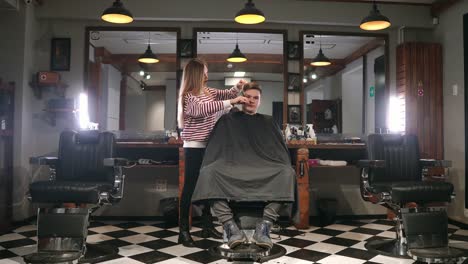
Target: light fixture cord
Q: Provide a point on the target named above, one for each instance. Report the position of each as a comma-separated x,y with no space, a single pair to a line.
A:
149,38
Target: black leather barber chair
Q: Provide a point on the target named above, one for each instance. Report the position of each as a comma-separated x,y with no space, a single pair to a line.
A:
394,176
246,215
84,177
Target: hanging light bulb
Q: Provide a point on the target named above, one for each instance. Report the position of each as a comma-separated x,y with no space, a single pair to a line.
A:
117,13
321,60
148,56
237,55
375,20
250,14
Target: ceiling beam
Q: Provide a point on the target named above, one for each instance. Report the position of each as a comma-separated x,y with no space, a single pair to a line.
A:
270,63
439,6
395,2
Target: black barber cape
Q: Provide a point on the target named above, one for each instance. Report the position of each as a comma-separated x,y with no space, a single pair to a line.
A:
246,159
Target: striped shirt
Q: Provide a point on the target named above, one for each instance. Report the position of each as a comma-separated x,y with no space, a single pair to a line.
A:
201,113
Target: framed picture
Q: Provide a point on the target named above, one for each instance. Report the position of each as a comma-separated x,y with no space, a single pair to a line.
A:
60,54
294,114
294,82
186,48
293,50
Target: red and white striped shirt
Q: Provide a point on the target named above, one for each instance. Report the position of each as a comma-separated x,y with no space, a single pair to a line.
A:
200,114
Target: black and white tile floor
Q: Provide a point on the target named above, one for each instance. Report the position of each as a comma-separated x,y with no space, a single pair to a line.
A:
156,242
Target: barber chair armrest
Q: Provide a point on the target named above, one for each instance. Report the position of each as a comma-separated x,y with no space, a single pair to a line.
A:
371,163
428,163
116,162
47,161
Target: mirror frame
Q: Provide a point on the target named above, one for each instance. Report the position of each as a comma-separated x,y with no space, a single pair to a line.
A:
383,36
255,30
94,98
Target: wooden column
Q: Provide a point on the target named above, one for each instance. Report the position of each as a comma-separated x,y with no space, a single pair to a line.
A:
302,177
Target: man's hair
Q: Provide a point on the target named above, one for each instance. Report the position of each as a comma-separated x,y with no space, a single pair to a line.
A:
252,86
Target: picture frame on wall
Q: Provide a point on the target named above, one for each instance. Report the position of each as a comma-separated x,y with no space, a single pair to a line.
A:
294,50
186,48
294,114
294,82
60,54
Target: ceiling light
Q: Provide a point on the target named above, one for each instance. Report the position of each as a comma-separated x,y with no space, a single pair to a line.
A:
237,55
148,56
375,20
313,76
239,74
117,13
250,14
147,76
321,59
142,73
304,80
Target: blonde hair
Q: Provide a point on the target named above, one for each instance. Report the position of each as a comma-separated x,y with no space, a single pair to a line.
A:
192,82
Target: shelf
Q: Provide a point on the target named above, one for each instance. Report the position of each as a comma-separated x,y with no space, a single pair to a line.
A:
325,166
153,166
61,110
328,146
145,144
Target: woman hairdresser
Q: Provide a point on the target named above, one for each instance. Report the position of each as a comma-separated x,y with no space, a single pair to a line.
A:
197,111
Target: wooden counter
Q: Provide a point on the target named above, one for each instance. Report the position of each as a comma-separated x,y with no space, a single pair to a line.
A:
300,155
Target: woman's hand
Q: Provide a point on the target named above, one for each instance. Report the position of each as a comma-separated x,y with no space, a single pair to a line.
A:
240,85
238,100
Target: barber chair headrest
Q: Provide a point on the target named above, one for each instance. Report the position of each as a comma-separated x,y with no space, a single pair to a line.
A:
87,137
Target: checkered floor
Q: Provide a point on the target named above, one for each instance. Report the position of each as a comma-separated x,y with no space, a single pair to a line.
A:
156,242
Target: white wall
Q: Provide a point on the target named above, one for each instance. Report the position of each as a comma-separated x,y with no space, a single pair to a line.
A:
111,78
135,118
170,112
352,101
271,92
450,33
370,81
155,109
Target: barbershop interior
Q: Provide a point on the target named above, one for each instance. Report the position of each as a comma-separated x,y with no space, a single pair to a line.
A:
233,131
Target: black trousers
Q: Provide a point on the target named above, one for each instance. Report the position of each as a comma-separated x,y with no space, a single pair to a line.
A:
193,161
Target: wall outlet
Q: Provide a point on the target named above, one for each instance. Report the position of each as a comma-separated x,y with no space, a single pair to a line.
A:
455,89
161,185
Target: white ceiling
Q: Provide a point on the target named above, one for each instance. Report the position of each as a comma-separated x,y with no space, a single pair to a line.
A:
134,42
225,42
334,47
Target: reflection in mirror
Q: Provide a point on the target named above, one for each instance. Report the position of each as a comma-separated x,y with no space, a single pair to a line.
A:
349,95
126,94
264,65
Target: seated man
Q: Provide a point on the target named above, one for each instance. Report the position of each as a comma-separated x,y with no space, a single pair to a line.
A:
246,160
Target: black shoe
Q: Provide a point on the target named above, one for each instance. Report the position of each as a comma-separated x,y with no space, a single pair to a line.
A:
234,235
185,239
211,232
262,234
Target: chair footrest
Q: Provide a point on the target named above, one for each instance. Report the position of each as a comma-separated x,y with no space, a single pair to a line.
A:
437,255
52,257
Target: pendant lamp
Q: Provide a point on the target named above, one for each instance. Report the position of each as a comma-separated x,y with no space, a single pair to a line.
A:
321,60
237,55
375,20
250,14
117,13
148,56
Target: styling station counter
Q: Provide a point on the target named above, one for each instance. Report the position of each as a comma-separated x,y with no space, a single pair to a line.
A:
157,155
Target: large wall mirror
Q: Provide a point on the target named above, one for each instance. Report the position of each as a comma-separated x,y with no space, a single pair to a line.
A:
125,94
350,95
265,64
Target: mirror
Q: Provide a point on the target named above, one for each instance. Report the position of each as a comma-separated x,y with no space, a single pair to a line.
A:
123,93
265,65
348,96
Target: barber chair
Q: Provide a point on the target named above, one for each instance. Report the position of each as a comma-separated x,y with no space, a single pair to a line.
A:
246,215
394,176
84,177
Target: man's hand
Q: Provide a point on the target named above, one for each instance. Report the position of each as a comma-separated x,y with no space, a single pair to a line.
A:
239,100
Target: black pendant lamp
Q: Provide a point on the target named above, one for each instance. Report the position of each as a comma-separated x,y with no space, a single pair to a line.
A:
117,13
237,55
321,60
250,14
148,56
375,20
